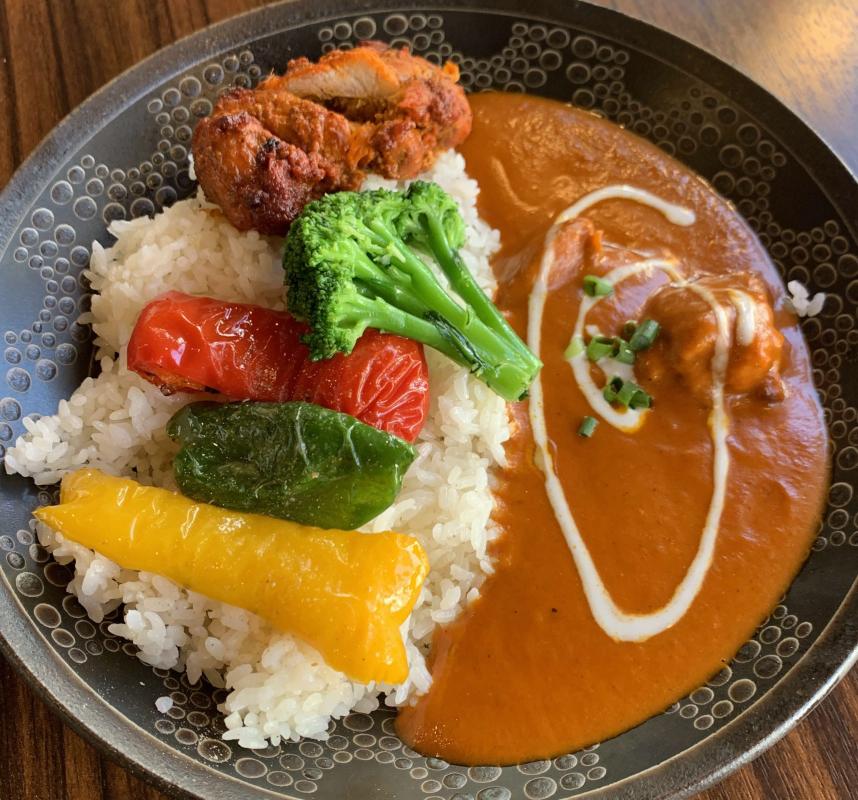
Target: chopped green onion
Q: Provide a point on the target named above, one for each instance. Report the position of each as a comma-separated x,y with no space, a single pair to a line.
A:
627,392
640,400
624,354
629,329
594,286
601,347
645,335
611,388
587,426
575,347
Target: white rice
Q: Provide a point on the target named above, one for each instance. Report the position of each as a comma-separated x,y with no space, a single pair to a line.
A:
278,687
164,704
802,303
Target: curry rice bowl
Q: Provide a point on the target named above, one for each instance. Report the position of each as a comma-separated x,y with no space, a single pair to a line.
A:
278,687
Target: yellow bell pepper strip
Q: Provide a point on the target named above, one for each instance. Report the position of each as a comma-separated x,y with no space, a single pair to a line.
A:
345,593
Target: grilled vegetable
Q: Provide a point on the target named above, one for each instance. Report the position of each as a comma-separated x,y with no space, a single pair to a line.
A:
352,262
295,461
345,593
186,343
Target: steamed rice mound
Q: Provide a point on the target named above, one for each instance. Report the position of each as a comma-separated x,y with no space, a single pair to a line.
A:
278,687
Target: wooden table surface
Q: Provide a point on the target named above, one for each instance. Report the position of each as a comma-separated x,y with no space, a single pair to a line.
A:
803,51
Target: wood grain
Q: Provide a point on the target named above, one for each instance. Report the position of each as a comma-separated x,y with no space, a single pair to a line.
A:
802,51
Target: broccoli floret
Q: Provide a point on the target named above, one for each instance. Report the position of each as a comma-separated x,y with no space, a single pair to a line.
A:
353,261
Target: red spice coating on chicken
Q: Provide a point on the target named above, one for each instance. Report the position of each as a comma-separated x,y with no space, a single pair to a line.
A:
264,153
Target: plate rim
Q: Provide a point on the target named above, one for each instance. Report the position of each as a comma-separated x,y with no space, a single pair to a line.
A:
808,681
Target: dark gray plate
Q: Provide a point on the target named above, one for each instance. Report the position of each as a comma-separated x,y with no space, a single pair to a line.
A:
124,154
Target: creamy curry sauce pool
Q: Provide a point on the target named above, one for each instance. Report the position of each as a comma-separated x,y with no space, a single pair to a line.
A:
528,672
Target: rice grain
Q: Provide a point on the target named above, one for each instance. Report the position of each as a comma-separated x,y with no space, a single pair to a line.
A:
278,687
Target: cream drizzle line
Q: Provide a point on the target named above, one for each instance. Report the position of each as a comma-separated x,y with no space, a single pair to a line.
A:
618,624
630,419
746,318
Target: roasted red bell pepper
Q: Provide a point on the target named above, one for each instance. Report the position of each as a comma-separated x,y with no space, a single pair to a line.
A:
193,344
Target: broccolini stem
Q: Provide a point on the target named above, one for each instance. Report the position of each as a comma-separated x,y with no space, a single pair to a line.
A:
424,283
378,313
436,299
494,364
368,274
493,351
468,289
393,294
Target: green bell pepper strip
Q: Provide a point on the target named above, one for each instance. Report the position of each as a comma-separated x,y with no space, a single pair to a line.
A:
295,461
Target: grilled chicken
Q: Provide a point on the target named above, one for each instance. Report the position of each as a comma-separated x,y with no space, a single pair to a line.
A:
357,74
686,345
264,153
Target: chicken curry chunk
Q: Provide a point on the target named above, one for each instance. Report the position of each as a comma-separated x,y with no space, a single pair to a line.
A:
689,330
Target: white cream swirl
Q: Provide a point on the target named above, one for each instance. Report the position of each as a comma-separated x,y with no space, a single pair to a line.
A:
619,624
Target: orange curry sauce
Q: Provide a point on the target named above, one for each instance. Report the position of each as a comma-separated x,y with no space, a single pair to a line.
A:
526,672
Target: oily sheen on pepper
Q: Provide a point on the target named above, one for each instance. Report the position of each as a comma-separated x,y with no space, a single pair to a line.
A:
184,343
345,593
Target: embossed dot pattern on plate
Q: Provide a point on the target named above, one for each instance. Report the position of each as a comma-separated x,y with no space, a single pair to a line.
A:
745,161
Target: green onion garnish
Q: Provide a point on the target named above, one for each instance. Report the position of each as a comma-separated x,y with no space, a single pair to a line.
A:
626,393
624,354
587,426
594,286
640,399
645,335
611,388
601,347
574,348
629,329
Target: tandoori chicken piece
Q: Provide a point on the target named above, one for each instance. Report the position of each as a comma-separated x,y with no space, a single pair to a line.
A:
689,331
264,153
259,180
360,73
378,84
